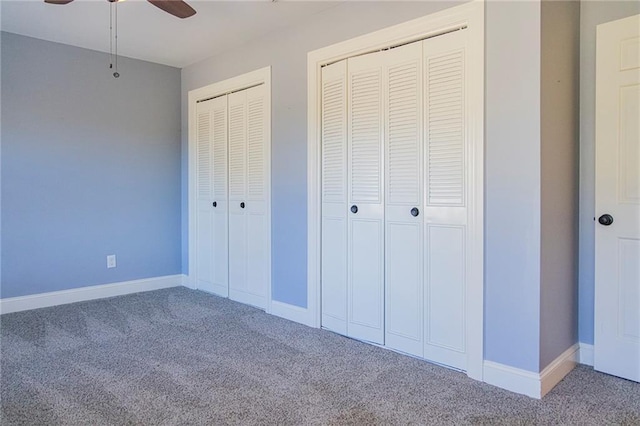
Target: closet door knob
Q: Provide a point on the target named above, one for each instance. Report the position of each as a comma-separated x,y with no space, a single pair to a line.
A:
605,219
354,209
242,205
215,204
415,212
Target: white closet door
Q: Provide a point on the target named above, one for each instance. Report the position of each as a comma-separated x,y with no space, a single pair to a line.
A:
257,198
365,255
237,195
403,185
204,193
334,197
220,203
212,256
445,195
249,243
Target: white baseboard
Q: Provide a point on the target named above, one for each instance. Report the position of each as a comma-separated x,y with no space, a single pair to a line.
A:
535,385
44,300
291,312
586,354
512,379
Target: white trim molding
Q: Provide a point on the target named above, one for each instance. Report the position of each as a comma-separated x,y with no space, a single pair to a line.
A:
244,81
586,354
512,379
535,385
470,16
54,298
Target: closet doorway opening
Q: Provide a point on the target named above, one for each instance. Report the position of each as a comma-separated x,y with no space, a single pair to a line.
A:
395,187
230,188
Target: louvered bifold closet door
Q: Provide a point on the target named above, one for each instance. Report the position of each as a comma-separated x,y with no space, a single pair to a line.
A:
334,197
446,198
211,235
365,247
237,195
248,197
403,210
257,198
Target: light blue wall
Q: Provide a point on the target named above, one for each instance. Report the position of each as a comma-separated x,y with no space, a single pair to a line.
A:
512,184
286,51
559,115
90,167
592,13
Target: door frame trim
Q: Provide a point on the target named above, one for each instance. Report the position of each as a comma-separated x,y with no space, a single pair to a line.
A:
240,82
471,16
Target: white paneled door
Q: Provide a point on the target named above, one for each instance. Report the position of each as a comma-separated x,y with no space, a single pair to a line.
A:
395,184
617,221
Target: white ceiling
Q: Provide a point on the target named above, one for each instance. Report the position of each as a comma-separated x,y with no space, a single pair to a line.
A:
146,32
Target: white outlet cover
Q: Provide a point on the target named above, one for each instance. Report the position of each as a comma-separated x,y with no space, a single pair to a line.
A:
111,261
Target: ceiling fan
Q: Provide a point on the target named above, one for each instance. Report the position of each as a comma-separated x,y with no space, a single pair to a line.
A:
177,8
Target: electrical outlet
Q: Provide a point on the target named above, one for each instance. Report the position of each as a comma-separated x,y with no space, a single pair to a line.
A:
111,261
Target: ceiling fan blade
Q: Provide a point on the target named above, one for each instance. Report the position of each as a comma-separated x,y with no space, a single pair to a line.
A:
175,7
58,1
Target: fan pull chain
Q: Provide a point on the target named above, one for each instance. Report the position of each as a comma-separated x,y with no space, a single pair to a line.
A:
110,35
113,39
116,74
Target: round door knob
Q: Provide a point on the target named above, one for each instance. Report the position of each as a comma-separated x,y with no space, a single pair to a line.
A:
242,205
415,212
605,219
354,209
215,204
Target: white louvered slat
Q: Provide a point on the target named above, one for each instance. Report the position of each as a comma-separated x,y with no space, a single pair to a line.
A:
204,154
366,118
333,140
255,149
237,150
403,134
445,131
220,152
